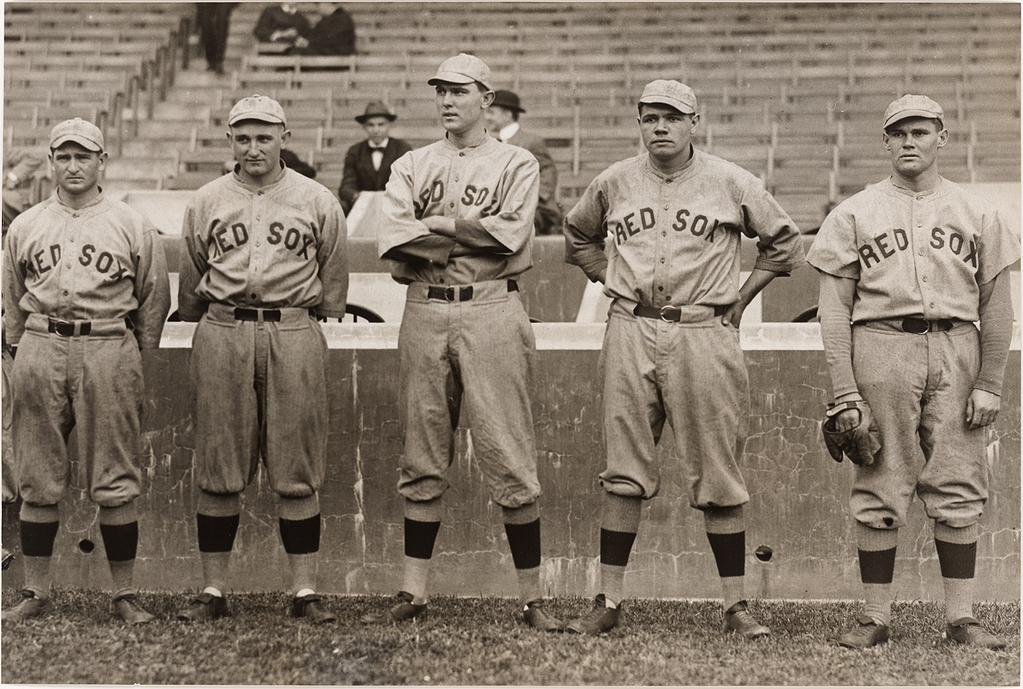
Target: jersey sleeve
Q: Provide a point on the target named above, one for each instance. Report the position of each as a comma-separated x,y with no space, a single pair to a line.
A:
779,247
584,232
403,236
512,225
332,257
192,266
999,248
834,249
14,289
152,290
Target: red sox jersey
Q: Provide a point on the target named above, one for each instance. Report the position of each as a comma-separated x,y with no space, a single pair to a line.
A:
490,190
675,239
280,245
102,261
914,254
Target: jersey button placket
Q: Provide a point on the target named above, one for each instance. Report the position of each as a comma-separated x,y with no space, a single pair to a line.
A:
254,251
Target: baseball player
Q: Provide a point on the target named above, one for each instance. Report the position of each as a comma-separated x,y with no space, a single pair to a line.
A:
661,231
266,256
906,266
459,226
85,288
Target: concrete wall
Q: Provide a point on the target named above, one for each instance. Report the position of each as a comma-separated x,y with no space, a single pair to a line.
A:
798,505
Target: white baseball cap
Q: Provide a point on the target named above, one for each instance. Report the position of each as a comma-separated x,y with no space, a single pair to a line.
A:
911,105
85,134
672,93
462,69
256,107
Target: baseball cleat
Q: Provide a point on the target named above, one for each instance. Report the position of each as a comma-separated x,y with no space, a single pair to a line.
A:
536,617
309,607
29,606
970,632
599,620
402,611
740,620
866,634
129,611
204,608
8,558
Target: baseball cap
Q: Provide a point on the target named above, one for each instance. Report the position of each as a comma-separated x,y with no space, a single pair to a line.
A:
670,92
86,134
257,107
911,105
462,69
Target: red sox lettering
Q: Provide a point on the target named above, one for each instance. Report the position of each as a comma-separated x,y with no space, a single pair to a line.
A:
883,246
472,196
105,263
224,238
632,223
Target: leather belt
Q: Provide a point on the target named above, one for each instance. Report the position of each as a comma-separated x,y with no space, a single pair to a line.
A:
75,328
243,314
456,293
919,326
669,312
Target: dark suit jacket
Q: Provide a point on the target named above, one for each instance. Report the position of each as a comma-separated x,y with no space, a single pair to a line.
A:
333,35
274,18
359,174
548,172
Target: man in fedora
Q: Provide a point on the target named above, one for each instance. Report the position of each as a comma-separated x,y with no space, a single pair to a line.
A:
503,123
368,163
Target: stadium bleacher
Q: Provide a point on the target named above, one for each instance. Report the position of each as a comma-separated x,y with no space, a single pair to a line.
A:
792,95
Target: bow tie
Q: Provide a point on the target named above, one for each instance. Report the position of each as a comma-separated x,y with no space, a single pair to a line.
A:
374,147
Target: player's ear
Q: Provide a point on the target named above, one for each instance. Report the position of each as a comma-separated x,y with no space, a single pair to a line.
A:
285,137
942,138
696,121
103,157
488,98
886,141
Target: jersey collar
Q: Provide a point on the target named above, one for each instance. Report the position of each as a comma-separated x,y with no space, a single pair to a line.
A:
252,187
678,174
69,209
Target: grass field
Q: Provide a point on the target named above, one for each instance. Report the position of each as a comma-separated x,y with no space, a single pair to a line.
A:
477,641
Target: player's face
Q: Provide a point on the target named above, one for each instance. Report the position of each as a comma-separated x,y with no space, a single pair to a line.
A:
461,106
76,170
498,118
914,143
666,132
257,149
377,129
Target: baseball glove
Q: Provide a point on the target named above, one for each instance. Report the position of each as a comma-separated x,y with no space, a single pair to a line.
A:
861,444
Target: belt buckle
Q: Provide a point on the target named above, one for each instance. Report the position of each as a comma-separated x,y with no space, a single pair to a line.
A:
449,293
667,308
913,325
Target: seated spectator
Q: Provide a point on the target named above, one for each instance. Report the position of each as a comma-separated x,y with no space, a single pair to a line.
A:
22,167
282,24
291,159
503,122
334,33
368,163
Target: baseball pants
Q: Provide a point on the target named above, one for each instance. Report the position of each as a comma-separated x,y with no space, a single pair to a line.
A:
690,374
917,387
10,482
92,383
260,391
477,352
